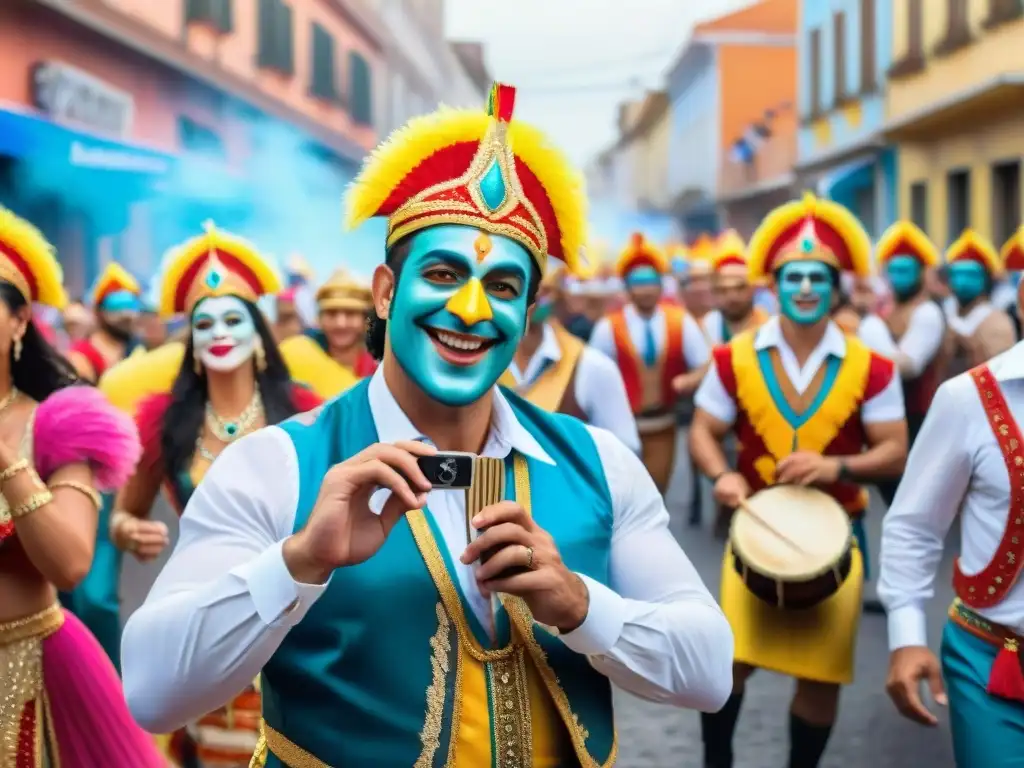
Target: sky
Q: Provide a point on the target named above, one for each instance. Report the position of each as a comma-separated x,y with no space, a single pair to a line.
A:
574,61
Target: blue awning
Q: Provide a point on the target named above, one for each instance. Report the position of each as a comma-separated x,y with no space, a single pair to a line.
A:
857,173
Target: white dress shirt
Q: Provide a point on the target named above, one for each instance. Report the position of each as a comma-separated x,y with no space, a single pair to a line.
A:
967,324
955,467
713,398
599,389
875,334
695,346
714,324
921,342
225,600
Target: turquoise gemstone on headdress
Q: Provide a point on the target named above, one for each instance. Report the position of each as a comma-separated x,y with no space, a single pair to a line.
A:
492,187
213,278
807,245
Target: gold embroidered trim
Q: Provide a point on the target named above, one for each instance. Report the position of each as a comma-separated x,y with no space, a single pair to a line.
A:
289,753
510,716
53,749
440,646
38,625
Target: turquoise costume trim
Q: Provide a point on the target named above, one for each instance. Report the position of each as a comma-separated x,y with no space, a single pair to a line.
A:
96,601
347,687
797,420
987,731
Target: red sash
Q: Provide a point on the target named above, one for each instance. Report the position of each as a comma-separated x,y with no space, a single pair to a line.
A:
673,360
993,582
96,360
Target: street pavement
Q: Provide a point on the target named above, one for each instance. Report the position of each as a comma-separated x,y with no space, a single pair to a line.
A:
869,733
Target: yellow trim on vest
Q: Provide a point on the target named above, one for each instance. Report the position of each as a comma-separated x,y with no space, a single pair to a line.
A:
549,389
839,406
440,647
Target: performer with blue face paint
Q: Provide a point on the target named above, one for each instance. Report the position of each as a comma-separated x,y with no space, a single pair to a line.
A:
660,351
808,405
339,570
966,466
558,372
980,331
116,302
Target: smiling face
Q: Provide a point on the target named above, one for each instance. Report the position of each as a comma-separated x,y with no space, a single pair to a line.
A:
459,311
223,333
805,291
968,280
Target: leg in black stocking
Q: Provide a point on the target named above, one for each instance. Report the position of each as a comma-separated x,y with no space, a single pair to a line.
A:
807,742
717,729
811,717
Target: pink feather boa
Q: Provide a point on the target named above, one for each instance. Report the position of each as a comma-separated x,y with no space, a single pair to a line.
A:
78,424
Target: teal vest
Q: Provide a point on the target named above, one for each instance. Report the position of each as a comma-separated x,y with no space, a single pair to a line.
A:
368,677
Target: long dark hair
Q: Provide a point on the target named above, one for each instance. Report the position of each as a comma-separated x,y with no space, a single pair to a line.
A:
40,370
376,327
184,418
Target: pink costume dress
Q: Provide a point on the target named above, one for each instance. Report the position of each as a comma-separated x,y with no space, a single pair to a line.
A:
61,702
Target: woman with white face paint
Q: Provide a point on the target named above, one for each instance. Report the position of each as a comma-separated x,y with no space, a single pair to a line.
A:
229,379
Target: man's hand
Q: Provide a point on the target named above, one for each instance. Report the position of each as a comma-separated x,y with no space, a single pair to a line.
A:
807,468
908,668
556,596
731,489
145,539
342,529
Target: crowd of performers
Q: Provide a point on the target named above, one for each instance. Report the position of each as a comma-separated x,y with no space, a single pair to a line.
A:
327,603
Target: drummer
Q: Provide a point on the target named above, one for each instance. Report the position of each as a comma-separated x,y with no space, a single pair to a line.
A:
812,406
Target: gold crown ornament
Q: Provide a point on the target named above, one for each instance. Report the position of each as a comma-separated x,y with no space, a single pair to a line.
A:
480,169
215,263
28,262
343,291
809,229
904,238
971,246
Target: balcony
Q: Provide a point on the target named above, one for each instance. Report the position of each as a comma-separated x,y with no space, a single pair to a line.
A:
770,169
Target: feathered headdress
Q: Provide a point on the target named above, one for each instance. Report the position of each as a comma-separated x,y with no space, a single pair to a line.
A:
904,238
1013,252
216,263
480,169
27,262
729,250
114,279
641,252
971,246
810,229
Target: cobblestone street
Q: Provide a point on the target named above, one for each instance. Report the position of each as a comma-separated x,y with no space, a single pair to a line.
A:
869,734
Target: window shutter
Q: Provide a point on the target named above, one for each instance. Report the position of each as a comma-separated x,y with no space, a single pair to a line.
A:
265,52
361,92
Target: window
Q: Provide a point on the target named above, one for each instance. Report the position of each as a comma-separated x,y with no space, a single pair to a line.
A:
360,89
1002,11
215,13
958,202
322,83
919,204
864,207
276,39
814,62
913,59
1005,200
958,28
867,46
198,139
839,51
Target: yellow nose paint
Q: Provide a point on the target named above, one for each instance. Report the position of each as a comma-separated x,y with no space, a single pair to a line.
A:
482,246
470,303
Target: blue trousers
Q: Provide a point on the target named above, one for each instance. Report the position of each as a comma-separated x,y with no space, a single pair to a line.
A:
96,600
988,732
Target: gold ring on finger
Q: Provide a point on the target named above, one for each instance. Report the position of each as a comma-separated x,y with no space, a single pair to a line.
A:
529,558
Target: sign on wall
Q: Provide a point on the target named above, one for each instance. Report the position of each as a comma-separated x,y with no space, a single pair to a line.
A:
70,96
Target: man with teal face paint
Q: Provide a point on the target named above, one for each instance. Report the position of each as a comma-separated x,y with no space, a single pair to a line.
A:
660,350
980,331
395,619
808,405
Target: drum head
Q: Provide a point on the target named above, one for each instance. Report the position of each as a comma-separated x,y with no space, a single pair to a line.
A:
810,519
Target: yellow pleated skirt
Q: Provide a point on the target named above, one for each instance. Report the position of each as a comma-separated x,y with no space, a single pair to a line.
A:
813,644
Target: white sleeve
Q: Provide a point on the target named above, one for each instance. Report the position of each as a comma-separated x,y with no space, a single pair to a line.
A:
925,331
711,324
712,397
601,394
601,338
887,405
655,631
225,600
935,481
875,334
696,350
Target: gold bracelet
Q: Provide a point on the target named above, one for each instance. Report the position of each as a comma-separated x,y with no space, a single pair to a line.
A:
19,466
30,505
92,493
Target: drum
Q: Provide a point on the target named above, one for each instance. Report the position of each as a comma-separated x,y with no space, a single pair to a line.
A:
794,548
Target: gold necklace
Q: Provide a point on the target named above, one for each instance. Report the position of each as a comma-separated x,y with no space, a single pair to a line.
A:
227,431
9,399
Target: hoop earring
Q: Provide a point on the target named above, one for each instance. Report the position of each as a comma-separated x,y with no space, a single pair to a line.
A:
261,358
17,349
197,364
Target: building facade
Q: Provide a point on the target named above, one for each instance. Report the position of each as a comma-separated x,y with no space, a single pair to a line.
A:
845,53
953,109
124,124
714,99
